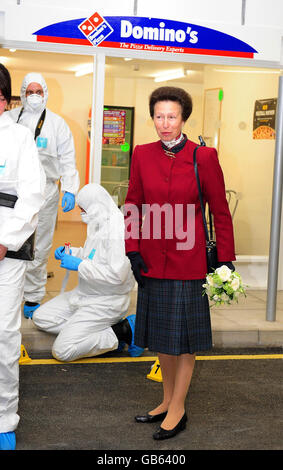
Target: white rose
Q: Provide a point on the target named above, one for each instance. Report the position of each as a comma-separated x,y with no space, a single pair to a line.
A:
216,297
235,284
224,273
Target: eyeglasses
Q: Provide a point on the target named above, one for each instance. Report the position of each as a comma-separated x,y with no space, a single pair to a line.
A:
31,92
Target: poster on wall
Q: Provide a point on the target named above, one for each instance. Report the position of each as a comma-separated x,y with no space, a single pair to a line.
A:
264,119
114,127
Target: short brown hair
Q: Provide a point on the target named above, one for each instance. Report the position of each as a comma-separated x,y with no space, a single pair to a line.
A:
170,93
5,83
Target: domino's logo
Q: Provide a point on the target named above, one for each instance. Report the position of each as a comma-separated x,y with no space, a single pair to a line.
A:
95,28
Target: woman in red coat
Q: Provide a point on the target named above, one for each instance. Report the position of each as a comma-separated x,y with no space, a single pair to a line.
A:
165,242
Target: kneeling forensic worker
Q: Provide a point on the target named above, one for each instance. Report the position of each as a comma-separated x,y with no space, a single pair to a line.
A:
90,319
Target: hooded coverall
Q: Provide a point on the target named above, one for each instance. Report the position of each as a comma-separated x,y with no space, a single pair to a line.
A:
21,175
82,317
57,155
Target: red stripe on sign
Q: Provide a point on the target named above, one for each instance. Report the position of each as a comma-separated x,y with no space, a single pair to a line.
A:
175,50
82,42
146,47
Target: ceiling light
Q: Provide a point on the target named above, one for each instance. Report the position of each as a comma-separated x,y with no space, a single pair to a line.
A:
84,70
12,50
127,58
247,71
169,75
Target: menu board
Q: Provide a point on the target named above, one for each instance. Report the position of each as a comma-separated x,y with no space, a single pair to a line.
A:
114,123
264,119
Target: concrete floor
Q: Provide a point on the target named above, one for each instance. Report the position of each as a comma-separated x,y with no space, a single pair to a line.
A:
232,404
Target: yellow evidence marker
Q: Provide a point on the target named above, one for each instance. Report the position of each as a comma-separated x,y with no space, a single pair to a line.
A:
155,373
24,356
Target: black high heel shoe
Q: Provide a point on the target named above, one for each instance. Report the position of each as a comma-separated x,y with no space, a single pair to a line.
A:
150,418
167,433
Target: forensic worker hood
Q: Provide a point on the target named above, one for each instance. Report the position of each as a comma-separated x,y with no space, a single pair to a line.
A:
97,203
34,78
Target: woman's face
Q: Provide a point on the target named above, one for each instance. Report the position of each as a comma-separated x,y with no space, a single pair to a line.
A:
168,120
3,103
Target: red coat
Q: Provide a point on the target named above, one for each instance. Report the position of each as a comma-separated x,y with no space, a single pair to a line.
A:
158,179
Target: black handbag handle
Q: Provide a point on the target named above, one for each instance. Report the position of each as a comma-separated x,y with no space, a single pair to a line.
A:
202,144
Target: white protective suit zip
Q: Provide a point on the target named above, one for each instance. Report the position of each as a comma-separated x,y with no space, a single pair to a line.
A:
57,155
22,175
82,318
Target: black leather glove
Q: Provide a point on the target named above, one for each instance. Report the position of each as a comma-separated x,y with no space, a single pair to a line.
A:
229,265
137,263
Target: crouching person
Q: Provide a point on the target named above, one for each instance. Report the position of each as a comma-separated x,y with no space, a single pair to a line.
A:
90,319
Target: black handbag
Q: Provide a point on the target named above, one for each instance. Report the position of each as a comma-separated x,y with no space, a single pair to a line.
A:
211,249
26,252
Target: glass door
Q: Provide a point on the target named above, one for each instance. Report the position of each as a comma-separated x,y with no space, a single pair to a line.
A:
117,146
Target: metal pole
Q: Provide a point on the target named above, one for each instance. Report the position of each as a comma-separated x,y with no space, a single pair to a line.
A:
97,113
276,211
243,13
93,103
135,7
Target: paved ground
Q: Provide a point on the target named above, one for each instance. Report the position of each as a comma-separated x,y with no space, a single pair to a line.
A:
234,403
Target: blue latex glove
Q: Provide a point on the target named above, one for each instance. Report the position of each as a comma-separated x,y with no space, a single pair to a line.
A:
70,262
68,202
7,441
58,253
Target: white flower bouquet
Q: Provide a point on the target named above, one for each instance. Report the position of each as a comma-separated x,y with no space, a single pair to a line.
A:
223,286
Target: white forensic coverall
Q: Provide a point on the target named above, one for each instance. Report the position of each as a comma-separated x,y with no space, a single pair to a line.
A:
82,317
21,175
57,155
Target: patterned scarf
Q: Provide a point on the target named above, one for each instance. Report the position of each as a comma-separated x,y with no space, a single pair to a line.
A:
178,144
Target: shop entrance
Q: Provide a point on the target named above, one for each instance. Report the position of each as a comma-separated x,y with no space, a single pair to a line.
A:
229,114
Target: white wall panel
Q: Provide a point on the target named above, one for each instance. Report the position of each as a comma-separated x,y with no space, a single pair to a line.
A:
2,23
19,19
106,7
208,11
264,13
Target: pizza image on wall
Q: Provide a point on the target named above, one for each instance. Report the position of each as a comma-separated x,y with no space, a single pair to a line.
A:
264,119
264,132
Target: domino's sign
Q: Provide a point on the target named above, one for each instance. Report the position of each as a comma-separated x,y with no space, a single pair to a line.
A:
147,34
159,33
95,28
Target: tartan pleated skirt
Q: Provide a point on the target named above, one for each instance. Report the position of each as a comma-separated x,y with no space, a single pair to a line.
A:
173,317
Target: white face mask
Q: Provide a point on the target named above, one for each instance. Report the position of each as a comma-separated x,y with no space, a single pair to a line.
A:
35,101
